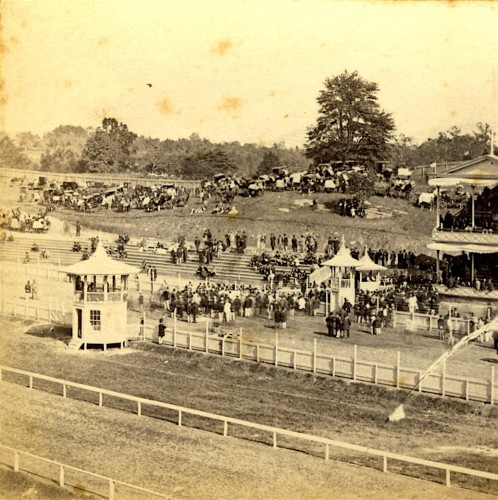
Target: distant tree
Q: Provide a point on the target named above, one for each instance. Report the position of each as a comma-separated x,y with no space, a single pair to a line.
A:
12,156
270,160
109,148
205,164
362,185
59,159
351,125
28,140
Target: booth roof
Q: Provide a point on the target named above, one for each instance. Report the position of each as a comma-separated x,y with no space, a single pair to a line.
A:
367,264
342,258
100,264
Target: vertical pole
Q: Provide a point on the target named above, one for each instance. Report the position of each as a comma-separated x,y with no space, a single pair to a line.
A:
326,303
276,348
111,489
225,428
327,451
448,481
179,418
473,208
398,369
206,337
101,398
61,476
443,379
492,391
16,461
294,360
384,464
314,355
174,328
438,207
274,439
240,343
355,353
64,390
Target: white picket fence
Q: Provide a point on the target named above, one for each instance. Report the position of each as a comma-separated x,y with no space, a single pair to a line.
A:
63,469
352,368
273,432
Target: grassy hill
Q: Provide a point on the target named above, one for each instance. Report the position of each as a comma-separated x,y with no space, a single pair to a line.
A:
288,212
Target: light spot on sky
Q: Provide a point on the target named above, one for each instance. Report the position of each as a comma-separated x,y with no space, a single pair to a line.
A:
103,41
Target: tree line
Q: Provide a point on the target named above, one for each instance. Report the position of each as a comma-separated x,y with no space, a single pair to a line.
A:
351,126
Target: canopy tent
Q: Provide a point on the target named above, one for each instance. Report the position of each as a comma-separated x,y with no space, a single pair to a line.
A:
463,247
342,259
100,264
367,264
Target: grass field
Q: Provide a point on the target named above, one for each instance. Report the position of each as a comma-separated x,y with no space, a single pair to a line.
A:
436,428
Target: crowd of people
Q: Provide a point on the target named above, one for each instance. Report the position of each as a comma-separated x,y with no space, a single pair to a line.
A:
17,220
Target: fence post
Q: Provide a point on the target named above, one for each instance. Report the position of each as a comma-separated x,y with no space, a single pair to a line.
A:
314,355
101,399
61,475
174,328
448,481
294,360
276,348
16,461
443,379
111,489
384,464
240,343
139,409
274,439
333,366
225,428
398,369
179,418
355,353
492,391
206,350
64,390
31,381
327,451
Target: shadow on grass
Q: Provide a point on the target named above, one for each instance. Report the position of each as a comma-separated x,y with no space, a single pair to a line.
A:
57,332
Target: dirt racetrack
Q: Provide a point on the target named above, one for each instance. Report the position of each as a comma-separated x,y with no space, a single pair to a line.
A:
435,428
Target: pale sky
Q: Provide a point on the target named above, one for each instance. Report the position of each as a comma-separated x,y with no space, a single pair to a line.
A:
246,71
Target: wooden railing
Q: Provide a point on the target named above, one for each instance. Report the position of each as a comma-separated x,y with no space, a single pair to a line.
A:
274,432
63,468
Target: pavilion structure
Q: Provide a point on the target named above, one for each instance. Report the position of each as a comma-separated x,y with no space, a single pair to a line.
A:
369,273
342,277
479,238
100,300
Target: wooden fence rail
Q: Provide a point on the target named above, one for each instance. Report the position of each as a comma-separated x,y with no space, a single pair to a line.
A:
443,384
275,432
63,468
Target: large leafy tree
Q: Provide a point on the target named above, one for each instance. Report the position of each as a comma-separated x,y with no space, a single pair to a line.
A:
12,156
109,148
351,125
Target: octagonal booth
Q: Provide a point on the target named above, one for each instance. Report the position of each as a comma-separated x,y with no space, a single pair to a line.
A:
100,300
342,277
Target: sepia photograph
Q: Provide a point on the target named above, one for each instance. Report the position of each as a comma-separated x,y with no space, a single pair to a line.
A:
248,250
